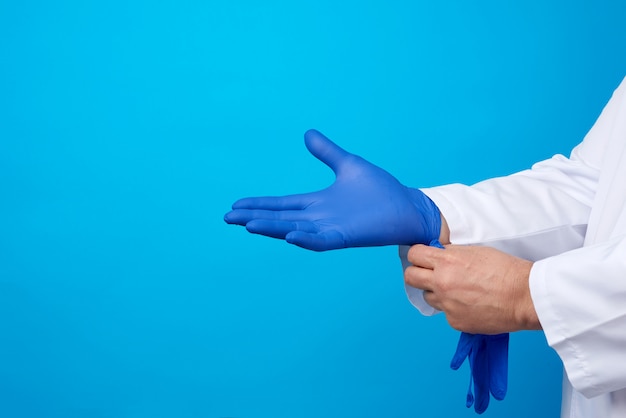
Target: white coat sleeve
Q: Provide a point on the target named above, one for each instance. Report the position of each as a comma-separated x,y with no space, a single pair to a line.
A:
542,215
580,298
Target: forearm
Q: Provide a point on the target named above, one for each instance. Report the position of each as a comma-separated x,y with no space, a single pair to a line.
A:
532,214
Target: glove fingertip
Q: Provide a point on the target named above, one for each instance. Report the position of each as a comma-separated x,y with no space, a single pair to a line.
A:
294,237
456,363
481,403
253,226
272,229
324,149
236,217
499,393
258,227
243,203
303,240
312,132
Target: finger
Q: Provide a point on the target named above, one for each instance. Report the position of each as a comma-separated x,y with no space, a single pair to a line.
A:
278,229
291,202
324,149
323,241
432,299
423,256
498,350
243,216
418,277
463,348
480,372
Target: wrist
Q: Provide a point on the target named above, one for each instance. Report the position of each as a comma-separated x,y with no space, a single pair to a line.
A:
526,315
427,218
444,234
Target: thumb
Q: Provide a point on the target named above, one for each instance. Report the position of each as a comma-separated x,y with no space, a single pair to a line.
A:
324,149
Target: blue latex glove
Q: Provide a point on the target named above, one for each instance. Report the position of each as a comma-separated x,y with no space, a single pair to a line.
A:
488,358
365,206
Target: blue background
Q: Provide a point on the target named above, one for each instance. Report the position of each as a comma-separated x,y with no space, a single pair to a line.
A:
128,128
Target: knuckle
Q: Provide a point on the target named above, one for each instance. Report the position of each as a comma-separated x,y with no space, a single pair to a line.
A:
444,286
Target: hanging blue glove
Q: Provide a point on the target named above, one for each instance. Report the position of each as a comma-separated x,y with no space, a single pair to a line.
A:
489,364
365,206
488,359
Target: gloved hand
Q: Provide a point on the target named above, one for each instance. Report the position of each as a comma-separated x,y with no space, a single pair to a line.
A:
488,358
365,206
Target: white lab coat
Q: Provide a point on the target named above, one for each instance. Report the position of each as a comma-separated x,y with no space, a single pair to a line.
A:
569,216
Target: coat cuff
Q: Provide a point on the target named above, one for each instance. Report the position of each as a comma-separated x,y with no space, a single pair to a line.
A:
416,296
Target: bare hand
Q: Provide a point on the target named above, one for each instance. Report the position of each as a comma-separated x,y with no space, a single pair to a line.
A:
480,289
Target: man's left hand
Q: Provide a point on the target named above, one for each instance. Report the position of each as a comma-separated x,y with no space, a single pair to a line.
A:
480,289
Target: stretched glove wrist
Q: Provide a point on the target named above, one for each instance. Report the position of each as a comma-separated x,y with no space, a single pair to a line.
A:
432,222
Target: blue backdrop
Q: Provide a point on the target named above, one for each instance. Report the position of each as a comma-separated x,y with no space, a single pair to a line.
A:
127,128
